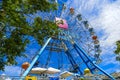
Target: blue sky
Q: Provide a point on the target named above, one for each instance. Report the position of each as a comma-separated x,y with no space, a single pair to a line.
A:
104,16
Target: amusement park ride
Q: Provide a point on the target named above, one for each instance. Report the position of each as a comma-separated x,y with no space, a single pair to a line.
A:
74,52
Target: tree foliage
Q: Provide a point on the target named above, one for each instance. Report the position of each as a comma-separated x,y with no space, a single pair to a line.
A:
117,51
15,30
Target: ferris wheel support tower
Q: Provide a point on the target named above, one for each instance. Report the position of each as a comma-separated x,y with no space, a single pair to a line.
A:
80,52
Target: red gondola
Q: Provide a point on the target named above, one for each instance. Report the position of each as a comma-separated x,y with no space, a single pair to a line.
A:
94,37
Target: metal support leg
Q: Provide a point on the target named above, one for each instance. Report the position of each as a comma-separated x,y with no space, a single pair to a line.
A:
34,60
82,58
84,53
69,55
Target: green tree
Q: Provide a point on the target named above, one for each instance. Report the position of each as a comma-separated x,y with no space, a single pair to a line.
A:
15,30
117,51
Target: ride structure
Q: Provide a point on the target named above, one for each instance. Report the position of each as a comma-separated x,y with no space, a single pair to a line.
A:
76,45
92,66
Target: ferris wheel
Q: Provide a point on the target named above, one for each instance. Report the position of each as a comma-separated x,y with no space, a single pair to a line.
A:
76,47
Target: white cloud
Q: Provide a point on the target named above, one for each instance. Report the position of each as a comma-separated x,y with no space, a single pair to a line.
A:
109,22
12,70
